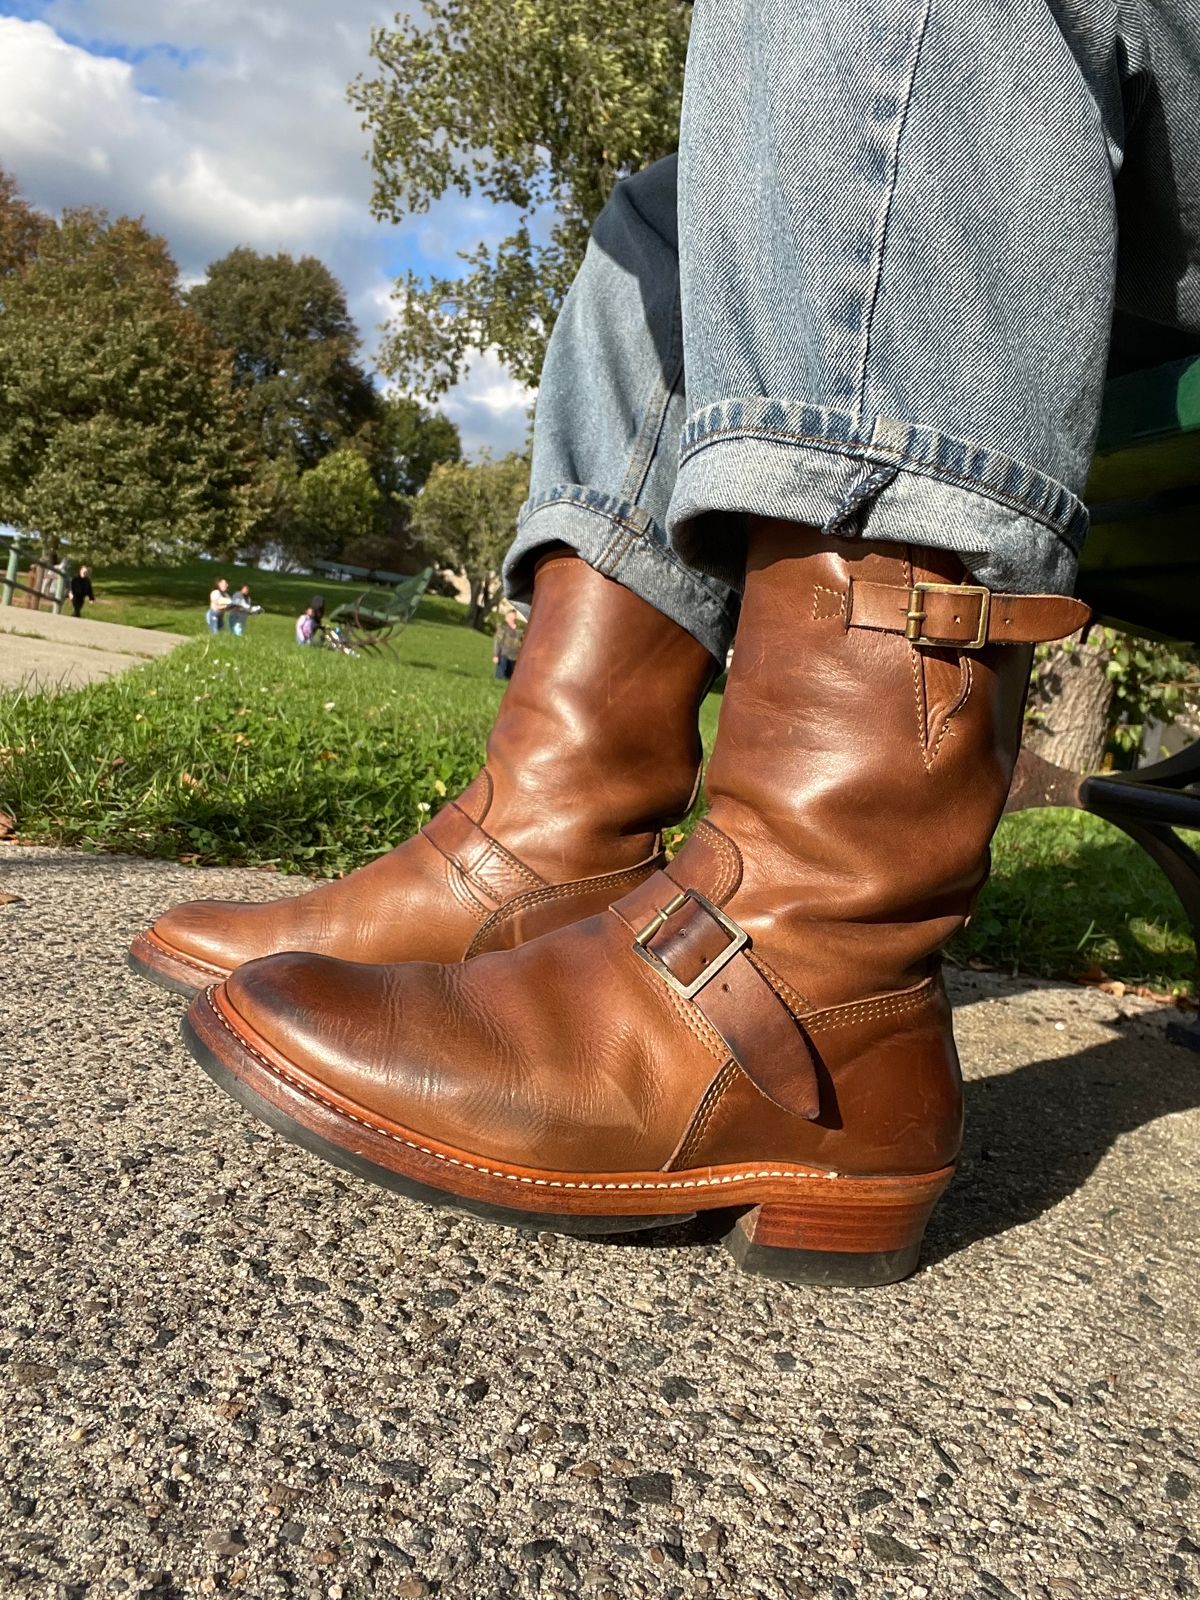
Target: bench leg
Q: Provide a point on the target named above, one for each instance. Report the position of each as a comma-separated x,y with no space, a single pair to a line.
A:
1115,799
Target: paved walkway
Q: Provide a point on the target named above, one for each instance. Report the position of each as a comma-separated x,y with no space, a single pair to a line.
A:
229,1369
43,650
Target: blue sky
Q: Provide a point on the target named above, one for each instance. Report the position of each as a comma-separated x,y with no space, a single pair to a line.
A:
224,122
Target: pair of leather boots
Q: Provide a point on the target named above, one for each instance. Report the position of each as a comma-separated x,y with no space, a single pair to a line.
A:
527,1011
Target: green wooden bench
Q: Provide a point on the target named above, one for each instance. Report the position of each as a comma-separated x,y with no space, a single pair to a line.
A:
372,620
1141,572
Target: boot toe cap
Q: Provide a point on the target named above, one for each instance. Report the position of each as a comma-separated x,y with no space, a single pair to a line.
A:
205,931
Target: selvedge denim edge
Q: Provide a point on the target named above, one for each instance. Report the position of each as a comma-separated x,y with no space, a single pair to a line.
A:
1016,529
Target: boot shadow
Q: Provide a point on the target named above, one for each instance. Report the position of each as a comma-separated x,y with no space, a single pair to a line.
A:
1036,1134
1033,1137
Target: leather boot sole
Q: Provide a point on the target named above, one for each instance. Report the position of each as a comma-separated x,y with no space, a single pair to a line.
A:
797,1224
170,969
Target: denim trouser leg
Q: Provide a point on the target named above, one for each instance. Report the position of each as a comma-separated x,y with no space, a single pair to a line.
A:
609,414
898,243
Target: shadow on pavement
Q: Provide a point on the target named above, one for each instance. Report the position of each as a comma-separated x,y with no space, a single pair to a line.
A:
1034,1136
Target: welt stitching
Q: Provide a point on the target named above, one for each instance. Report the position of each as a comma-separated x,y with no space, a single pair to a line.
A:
821,1176
186,961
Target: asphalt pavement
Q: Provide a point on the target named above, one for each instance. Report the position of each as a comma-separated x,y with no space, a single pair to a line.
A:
228,1369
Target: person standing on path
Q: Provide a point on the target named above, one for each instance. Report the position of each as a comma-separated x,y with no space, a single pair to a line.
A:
218,604
81,590
506,646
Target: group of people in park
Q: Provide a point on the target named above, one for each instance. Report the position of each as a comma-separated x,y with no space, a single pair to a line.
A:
230,610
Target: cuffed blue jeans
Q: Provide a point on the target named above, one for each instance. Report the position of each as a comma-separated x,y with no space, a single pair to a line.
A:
874,293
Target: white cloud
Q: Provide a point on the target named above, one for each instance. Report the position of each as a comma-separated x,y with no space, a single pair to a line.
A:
490,408
224,122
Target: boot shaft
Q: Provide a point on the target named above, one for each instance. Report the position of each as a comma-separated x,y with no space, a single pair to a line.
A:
861,774
596,746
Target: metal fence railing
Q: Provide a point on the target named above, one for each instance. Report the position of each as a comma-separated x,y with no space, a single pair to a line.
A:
47,584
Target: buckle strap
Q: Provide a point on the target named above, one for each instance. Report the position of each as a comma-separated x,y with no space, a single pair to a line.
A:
700,954
962,616
487,866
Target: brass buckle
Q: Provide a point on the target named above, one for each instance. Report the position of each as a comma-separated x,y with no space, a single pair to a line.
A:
738,940
915,615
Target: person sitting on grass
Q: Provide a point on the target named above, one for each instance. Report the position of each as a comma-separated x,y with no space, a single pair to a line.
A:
311,621
218,604
81,590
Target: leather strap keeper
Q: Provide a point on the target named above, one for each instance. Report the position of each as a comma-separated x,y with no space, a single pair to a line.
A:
701,955
962,616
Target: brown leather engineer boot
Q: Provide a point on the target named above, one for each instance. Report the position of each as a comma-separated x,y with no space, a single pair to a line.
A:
595,750
761,1026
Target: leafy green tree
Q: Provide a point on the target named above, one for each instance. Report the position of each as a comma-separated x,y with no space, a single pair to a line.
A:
119,428
295,351
465,517
21,227
338,503
536,105
404,443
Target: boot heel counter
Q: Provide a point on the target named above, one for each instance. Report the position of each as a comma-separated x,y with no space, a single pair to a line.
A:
893,1077
890,1094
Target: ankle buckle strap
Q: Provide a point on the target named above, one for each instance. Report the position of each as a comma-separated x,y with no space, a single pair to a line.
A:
957,616
738,940
914,617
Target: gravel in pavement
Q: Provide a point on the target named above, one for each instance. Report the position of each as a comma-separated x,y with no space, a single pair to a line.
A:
227,1369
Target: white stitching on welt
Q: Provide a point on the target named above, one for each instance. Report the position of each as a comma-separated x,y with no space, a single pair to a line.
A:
496,1172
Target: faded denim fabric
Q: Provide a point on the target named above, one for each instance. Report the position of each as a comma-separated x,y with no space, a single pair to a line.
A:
905,229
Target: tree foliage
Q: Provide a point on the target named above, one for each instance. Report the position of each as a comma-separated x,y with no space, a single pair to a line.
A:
343,461
119,428
536,105
465,517
21,227
338,502
294,348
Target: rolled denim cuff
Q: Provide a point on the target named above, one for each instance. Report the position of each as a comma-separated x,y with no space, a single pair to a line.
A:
624,543
1016,530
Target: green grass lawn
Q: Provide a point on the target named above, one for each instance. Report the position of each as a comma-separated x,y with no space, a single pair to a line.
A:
175,599
253,751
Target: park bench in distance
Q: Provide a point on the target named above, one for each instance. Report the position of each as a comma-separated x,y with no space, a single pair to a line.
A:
370,621
1141,572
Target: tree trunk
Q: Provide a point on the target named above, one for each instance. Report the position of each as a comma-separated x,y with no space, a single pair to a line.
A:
1070,705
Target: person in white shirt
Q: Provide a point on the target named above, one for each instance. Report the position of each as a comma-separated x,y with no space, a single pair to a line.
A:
218,604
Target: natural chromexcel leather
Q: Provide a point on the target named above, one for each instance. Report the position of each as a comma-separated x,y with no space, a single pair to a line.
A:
594,751
855,785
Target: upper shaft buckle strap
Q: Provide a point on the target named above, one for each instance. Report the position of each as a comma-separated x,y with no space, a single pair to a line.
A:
738,940
914,617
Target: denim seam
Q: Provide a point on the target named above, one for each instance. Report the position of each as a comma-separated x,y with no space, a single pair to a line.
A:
654,411
886,213
913,464
634,535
